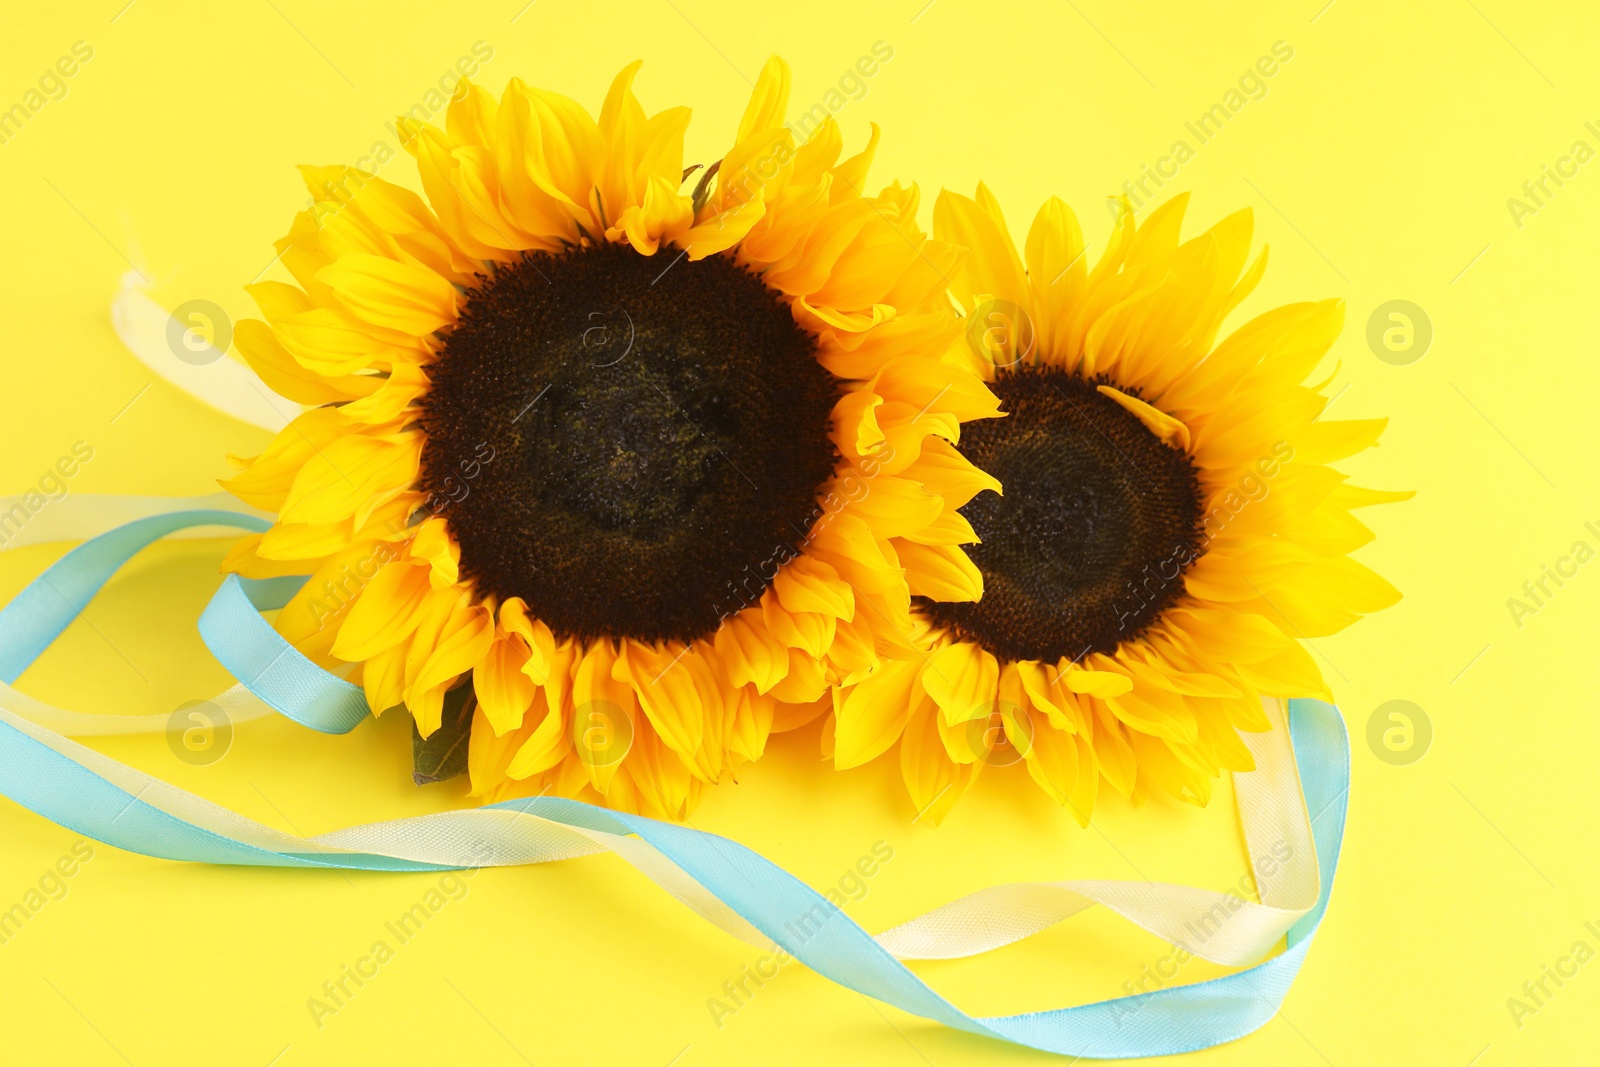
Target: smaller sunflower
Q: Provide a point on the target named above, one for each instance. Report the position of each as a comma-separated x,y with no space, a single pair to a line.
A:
1169,528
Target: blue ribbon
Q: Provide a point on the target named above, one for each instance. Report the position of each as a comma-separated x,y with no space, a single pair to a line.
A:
269,666
231,626
37,615
797,918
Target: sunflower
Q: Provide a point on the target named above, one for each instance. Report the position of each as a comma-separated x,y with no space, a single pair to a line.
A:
618,471
1169,528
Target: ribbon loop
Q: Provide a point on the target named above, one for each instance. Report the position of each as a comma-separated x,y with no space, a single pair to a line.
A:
269,666
37,615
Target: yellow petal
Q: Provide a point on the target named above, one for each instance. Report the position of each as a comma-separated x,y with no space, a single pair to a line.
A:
462,645
769,101
1113,753
850,176
547,743
804,680
504,692
991,268
536,638
1056,704
286,377
964,680
1053,763
604,712
942,572
666,692
870,717
434,545
1164,426
750,654
383,678
1150,710
934,782
805,584
1097,683
352,475
384,614
396,296
266,481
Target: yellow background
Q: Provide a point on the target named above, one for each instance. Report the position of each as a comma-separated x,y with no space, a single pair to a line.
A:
1378,164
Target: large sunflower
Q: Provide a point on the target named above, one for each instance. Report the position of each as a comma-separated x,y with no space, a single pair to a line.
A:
1169,528
649,465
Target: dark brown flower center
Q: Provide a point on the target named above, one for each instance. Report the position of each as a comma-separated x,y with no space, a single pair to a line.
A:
632,444
1099,520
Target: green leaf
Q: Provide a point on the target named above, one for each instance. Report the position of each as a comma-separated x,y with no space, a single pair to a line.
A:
443,755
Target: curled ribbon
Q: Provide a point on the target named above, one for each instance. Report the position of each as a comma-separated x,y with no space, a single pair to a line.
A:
1291,807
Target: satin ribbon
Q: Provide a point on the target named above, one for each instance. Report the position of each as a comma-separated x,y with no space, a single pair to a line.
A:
1292,808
